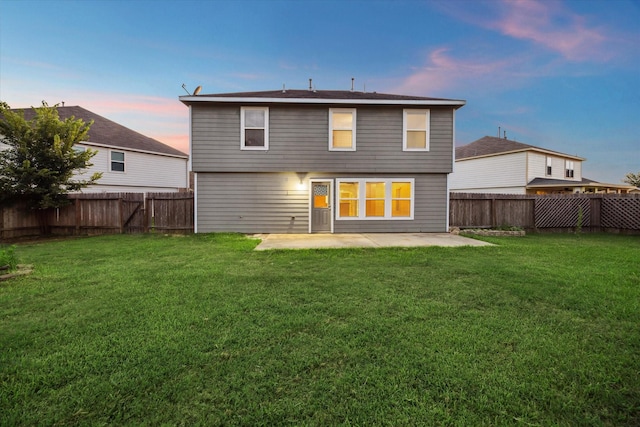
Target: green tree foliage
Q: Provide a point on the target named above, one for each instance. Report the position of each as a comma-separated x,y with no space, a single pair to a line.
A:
40,165
632,179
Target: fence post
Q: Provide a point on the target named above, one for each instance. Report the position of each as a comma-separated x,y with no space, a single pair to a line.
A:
78,215
121,208
145,219
493,212
596,213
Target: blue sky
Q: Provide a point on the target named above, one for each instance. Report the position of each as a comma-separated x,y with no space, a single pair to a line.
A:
563,75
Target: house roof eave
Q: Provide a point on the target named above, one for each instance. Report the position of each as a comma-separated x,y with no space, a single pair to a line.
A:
523,150
316,98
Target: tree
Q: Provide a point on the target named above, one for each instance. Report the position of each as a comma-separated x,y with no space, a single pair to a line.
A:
40,164
632,179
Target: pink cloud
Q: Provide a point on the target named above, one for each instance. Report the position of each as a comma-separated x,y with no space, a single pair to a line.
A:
545,23
443,72
550,25
179,141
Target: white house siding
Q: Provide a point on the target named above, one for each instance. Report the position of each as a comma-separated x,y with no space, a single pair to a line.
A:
277,203
538,167
144,172
495,174
577,171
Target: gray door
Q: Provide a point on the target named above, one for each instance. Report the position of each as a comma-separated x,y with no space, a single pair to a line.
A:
321,207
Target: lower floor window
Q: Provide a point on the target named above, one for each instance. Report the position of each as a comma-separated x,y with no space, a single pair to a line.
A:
373,198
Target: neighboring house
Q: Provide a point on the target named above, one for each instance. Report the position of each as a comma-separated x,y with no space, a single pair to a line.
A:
307,161
128,160
499,165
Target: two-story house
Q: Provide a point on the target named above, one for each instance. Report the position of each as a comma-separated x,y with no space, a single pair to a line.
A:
307,161
128,160
499,165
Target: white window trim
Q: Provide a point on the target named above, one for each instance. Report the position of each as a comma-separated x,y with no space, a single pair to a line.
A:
353,128
266,128
362,199
405,129
124,162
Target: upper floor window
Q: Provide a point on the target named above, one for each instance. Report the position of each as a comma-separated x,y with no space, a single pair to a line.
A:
342,129
117,161
415,128
254,128
568,169
369,199
549,169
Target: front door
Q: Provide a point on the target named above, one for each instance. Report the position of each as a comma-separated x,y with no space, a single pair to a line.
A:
321,207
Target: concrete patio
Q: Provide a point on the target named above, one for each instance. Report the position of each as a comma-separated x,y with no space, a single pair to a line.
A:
368,240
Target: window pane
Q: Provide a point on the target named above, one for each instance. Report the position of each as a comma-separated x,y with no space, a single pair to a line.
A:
375,190
375,207
117,156
117,167
254,118
401,208
254,138
320,201
401,190
416,121
348,208
349,199
342,121
349,190
416,139
342,139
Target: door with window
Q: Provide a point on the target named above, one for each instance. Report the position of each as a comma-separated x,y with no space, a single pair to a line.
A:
321,207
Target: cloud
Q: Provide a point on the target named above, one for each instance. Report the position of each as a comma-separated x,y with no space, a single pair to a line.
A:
547,24
443,72
164,119
550,25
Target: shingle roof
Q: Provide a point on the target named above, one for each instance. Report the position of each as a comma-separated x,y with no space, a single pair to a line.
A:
325,94
290,95
490,145
107,132
546,182
566,182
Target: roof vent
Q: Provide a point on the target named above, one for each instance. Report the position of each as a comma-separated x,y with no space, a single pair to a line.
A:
352,81
283,88
310,85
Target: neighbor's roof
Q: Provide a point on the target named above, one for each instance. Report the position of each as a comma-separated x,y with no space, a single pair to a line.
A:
547,182
491,146
111,134
321,97
585,182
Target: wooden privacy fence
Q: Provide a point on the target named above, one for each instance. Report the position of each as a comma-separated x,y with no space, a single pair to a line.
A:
106,213
595,212
103,213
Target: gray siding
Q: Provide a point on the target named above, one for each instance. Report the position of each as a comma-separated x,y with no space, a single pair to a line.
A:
298,141
274,203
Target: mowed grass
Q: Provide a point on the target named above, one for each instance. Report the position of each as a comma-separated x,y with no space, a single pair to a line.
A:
202,330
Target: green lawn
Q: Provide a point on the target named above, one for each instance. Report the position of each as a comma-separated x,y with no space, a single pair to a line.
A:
201,330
